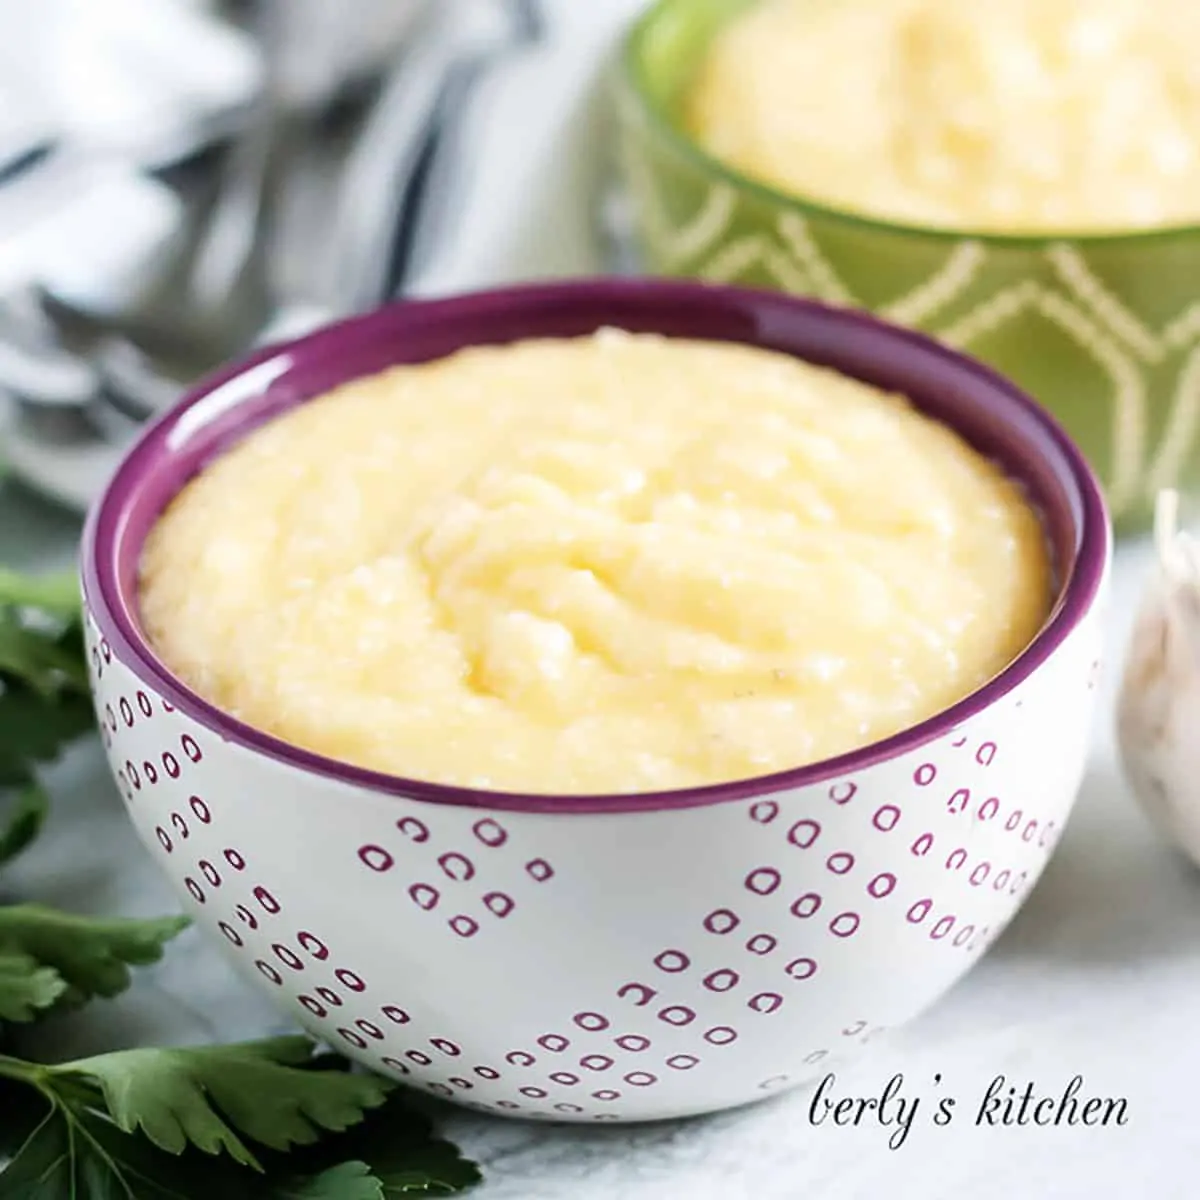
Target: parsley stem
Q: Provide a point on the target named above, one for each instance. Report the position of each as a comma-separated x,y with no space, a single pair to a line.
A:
61,1086
57,593
20,1071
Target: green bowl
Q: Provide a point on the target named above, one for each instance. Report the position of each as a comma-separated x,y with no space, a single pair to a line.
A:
1103,330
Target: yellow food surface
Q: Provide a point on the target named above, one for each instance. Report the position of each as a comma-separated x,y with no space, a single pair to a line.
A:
1005,115
613,563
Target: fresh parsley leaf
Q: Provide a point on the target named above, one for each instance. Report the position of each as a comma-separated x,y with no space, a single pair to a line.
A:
85,1157
92,956
26,815
20,1117
399,1145
202,1094
90,1160
27,988
81,1156
347,1181
66,1146
56,595
34,1155
438,1169
38,659
34,729
40,627
44,702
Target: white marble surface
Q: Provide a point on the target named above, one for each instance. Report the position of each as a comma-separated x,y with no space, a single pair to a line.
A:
1098,976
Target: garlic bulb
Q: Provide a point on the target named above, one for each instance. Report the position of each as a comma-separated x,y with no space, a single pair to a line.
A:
1158,709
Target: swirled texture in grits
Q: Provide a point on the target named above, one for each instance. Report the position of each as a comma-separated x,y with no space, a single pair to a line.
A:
613,563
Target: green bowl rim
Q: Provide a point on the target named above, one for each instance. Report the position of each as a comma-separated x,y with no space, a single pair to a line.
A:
632,75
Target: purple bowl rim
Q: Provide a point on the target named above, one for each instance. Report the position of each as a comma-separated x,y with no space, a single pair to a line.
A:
112,610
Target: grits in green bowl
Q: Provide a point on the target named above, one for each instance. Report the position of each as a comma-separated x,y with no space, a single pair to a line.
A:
1103,327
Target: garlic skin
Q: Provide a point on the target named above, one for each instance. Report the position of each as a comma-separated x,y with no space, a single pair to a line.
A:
1158,706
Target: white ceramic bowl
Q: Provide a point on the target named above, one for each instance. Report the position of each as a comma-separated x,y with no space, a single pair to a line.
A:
605,958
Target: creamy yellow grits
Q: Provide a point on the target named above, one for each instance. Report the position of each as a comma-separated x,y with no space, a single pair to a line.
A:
1006,115
613,563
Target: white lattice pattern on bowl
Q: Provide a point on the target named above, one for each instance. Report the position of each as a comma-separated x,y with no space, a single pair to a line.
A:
1081,307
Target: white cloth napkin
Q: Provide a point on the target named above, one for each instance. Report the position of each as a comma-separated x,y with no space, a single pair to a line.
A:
116,87
533,162
134,78
86,228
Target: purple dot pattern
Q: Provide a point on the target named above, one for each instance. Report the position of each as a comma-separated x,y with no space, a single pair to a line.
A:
461,879
734,982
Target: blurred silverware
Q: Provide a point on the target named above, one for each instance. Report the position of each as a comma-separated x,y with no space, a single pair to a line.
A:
377,211
226,285
90,227
395,183
34,361
96,230
147,82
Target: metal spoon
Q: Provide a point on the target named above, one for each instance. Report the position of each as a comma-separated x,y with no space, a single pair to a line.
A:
399,176
35,362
